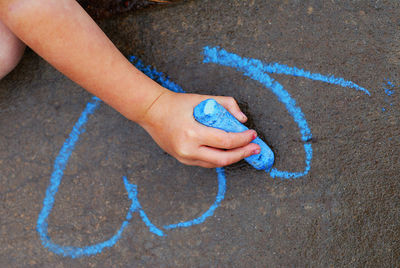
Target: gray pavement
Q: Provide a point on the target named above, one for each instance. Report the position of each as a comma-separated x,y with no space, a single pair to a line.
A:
344,211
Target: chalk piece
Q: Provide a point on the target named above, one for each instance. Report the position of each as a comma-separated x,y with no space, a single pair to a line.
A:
212,114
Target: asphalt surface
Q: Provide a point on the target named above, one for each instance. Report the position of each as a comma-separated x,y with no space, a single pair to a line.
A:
344,212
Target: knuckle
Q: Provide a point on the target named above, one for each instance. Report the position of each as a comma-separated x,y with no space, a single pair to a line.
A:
183,153
190,134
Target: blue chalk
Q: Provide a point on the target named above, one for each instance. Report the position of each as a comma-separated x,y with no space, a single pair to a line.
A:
212,114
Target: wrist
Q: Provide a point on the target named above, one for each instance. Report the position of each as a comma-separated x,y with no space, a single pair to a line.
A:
157,111
137,103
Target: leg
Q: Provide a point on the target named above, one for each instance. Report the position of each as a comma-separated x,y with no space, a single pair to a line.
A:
11,50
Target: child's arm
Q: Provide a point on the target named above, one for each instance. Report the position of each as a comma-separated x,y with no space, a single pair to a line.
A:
64,35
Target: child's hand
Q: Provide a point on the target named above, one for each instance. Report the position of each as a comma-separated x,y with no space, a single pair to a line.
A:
171,124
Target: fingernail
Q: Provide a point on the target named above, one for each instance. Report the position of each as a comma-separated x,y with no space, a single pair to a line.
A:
256,151
254,135
244,117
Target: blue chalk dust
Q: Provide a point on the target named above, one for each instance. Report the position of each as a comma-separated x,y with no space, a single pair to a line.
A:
210,113
388,87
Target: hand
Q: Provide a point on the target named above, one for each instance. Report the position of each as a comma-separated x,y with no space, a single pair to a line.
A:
170,123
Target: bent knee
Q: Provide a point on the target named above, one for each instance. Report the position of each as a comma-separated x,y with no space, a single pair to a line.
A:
11,50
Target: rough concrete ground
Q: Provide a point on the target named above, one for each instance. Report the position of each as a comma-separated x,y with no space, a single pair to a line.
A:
344,212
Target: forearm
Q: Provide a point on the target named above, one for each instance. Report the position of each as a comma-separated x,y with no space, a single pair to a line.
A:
64,35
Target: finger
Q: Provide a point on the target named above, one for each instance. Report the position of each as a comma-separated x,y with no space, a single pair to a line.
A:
221,139
231,105
221,158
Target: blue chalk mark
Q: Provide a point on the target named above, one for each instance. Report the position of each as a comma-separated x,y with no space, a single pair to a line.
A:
60,164
294,71
135,206
156,76
255,69
389,91
210,211
276,68
389,83
289,175
55,180
58,172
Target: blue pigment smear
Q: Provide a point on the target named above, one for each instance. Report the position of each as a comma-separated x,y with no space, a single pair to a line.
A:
58,172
